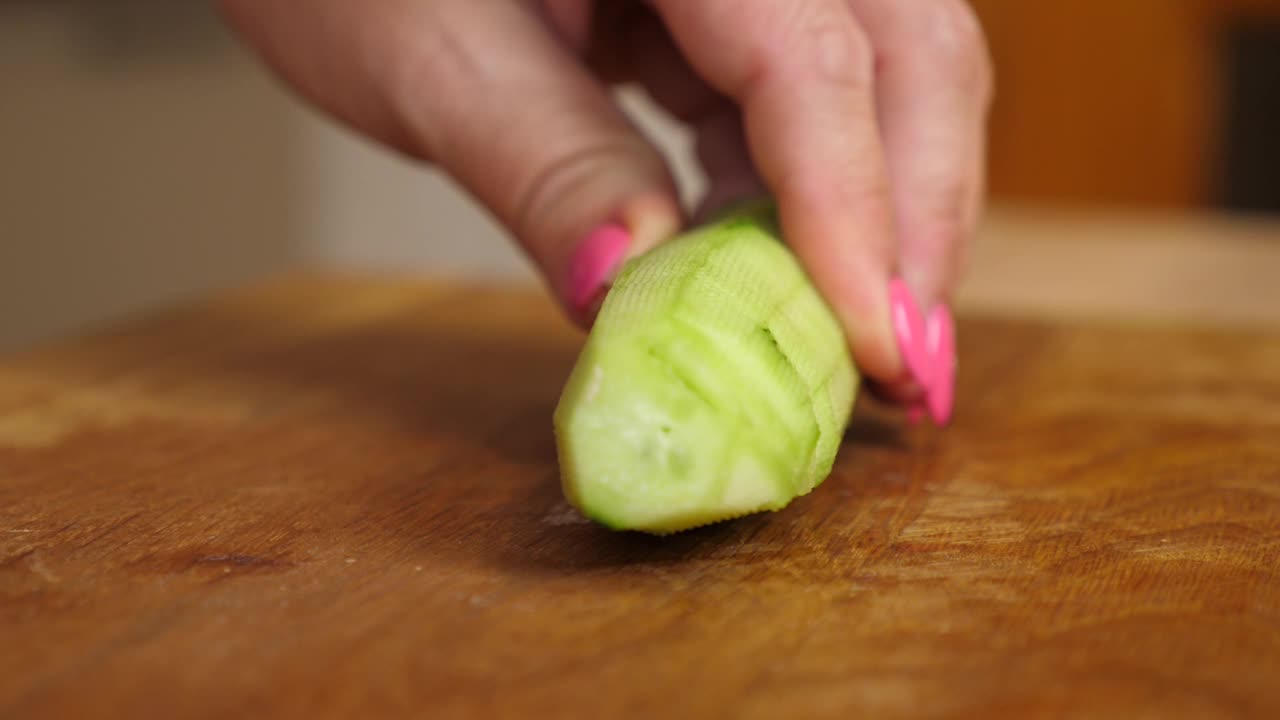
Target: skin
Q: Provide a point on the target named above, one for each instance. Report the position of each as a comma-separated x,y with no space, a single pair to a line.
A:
865,119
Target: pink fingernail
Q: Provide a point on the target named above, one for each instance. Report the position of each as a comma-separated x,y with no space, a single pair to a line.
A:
909,327
598,257
940,339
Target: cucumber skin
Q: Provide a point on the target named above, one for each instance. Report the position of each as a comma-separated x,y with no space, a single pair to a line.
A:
619,321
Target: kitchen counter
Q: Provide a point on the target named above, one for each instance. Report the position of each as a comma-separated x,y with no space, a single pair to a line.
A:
337,495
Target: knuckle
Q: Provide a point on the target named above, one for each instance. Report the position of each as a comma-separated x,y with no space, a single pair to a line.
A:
942,229
808,40
940,236
837,47
956,40
547,195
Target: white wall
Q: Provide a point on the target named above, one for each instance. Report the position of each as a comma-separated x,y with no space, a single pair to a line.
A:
145,159
142,160
366,207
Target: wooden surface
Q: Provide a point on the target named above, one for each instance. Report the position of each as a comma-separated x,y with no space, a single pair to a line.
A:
338,497
1165,269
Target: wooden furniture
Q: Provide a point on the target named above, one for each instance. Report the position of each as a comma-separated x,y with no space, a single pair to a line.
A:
336,496
1111,103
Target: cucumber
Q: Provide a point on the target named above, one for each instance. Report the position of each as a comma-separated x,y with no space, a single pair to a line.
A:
715,383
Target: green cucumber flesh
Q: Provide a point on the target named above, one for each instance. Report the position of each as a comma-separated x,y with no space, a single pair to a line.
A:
714,384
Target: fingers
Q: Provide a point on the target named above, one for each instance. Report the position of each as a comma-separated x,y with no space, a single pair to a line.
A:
934,87
326,52
487,92
532,135
723,154
803,75
639,49
863,118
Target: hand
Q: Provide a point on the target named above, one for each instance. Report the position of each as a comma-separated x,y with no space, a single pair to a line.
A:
864,119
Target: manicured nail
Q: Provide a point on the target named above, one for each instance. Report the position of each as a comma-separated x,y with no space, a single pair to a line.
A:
597,259
940,340
909,328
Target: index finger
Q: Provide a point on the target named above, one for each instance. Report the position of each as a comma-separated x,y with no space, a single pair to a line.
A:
804,76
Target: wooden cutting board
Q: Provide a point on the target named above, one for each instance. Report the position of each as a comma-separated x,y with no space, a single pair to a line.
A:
338,497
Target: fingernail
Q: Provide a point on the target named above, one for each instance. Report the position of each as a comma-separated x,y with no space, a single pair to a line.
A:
940,339
595,263
909,328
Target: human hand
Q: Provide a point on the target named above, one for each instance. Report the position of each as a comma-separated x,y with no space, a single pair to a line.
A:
863,119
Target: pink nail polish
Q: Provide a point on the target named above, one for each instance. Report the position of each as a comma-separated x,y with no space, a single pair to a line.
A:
940,339
909,327
596,260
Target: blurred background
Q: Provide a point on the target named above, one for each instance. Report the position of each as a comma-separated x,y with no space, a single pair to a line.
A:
145,159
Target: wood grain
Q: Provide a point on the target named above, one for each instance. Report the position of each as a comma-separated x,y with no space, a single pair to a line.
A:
338,497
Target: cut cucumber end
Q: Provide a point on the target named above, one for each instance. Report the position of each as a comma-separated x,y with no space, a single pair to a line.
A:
643,449
715,384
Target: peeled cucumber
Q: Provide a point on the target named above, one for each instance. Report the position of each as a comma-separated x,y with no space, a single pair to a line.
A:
714,384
